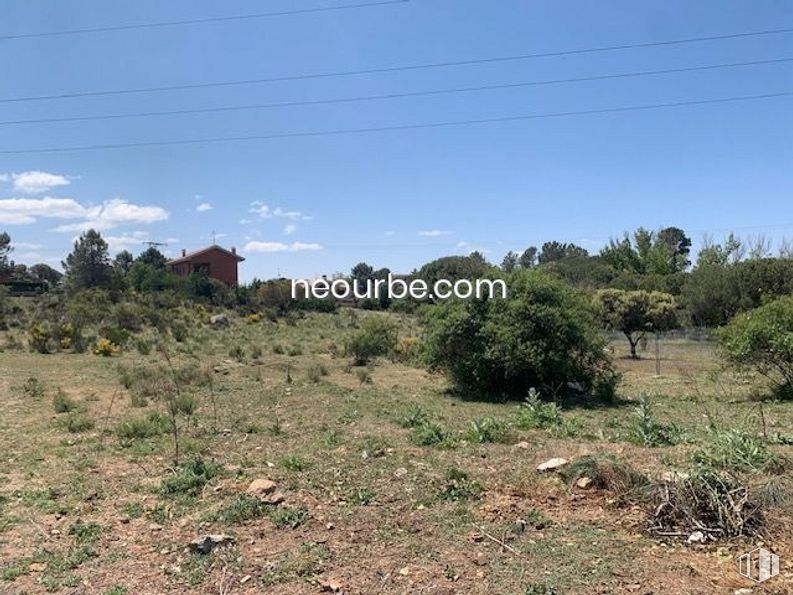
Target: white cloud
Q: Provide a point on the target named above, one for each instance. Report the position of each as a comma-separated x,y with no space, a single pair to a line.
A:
293,215
116,212
26,246
281,247
261,209
434,233
35,182
204,206
290,229
390,233
18,211
126,241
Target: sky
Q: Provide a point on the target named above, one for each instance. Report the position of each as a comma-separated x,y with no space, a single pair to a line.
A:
306,205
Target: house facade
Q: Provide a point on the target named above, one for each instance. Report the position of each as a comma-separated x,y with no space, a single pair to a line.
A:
218,263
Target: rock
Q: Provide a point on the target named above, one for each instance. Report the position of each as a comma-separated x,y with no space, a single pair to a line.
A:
584,482
552,464
219,320
261,487
331,585
275,499
742,592
37,567
205,544
523,445
245,579
696,537
401,472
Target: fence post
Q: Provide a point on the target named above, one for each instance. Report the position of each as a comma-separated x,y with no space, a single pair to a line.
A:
657,354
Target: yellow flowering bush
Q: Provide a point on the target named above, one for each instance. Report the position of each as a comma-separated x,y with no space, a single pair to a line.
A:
106,348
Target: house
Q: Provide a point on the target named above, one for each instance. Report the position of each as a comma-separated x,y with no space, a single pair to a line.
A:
218,263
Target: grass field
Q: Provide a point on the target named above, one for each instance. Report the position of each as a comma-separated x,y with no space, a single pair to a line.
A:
386,482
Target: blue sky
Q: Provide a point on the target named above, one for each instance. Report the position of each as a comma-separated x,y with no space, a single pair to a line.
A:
312,205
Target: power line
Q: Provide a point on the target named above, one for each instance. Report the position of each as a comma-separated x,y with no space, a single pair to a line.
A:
202,21
387,69
386,96
349,131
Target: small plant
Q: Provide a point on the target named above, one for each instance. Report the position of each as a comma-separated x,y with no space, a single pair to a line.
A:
63,403
734,451
33,388
414,417
106,348
364,376
237,353
431,434
143,346
254,318
294,463
315,373
458,486
256,352
243,507
540,589
278,349
647,431
488,429
294,351
361,497
537,414
78,422
287,517
189,477
39,336
147,426
605,473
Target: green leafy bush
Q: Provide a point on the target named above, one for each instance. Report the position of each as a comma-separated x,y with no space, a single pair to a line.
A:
189,477
543,336
376,337
63,403
762,341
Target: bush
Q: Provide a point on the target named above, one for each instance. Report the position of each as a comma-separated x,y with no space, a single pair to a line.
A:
543,336
458,486
106,348
605,473
78,422
431,434
39,337
735,451
63,403
647,431
33,388
762,341
376,337
488,429
190,477
147,426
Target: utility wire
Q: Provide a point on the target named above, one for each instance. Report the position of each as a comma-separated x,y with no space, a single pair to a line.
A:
411,67
350,131
185,22
386,96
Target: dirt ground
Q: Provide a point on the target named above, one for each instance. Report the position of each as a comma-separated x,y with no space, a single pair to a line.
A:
362,506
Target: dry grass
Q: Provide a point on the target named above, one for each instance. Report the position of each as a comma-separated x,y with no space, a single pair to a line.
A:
363,505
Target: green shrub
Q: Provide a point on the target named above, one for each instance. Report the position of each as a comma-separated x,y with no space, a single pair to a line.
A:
458,486
63,403
315,372
39,337
488,429
537,414
734,451
415,416
189,477
147,426
294,463
431,434
647,431
33,388
376,337
543,336
243,507
762,341
78,422
286,516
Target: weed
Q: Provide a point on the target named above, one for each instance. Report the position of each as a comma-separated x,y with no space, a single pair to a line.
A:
278,349
364,376
78,422
414,417
243,507
432,434
458,486
305,562
735,451
63,403
605,473
189,477
294,351
540,589
315,373
33,388
488,429
294,463
237,353
647,431
361,497
147,426
287,517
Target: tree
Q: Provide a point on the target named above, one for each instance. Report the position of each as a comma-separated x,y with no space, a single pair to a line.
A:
88,265
361,273
528,259
510,262
676,245
5,250
636,312
760,340
153,257
454,268
544,336
556,251
46,273
123,261
622,256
